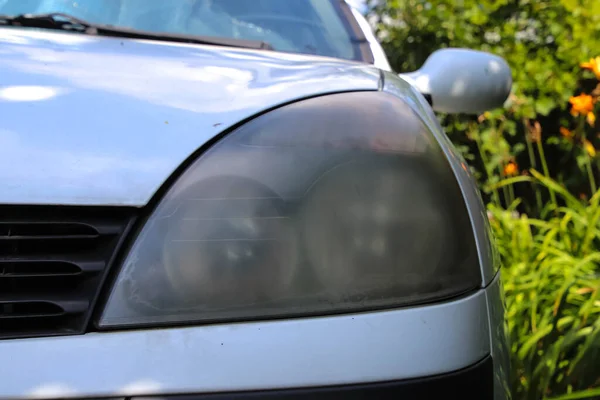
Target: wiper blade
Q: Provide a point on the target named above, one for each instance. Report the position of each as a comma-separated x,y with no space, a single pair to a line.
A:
65,22
56,21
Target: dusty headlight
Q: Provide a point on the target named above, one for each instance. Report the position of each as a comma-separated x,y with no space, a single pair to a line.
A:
333,204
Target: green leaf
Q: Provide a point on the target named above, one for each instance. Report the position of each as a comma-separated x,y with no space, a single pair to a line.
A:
509,181
554,186
544,105
524,350
584,394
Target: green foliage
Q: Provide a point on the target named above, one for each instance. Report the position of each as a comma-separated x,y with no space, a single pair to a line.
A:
551,272
551,279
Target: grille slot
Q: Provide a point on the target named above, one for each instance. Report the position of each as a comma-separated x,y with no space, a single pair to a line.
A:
53,261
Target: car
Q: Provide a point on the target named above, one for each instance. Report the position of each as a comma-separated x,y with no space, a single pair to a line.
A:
225,199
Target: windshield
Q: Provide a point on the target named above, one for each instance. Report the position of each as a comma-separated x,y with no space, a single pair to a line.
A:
300,26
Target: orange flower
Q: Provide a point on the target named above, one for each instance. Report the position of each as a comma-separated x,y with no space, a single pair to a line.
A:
511,169
592,65
565,132
589,147
584,105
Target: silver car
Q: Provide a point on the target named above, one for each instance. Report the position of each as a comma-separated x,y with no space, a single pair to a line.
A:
228,199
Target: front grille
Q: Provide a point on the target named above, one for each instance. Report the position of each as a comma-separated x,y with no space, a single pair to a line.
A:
53,261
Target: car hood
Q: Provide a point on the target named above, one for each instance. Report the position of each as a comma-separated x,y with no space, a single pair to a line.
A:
87,120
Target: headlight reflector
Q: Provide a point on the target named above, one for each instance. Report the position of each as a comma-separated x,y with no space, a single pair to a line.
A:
333,204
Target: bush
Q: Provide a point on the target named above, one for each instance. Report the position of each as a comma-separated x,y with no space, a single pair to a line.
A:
552,286
551,276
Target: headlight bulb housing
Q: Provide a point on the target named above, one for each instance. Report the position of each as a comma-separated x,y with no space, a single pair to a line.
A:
334,204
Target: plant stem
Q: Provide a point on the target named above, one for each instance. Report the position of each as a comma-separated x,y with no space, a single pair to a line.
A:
540,148
495,196
588,159
532,161
511,194
590,172
505,192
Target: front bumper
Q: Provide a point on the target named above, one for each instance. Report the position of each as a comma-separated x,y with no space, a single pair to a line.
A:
399,347
472,383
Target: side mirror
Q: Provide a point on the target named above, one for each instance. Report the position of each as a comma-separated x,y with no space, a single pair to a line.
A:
463,81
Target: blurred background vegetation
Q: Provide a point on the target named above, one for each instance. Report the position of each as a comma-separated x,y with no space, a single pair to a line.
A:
537,166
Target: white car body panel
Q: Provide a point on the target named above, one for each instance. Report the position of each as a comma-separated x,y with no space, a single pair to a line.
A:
136,109
139,109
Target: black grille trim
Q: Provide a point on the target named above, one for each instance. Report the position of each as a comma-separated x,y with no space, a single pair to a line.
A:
53,263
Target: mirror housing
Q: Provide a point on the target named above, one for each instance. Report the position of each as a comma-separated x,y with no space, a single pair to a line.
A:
463,81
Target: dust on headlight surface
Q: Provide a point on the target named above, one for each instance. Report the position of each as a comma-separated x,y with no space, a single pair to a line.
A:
284,217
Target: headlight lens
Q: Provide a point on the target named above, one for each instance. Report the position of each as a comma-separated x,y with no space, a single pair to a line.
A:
333,204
